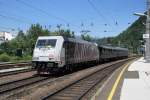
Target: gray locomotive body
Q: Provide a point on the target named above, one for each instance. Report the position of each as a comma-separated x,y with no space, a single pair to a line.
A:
56,53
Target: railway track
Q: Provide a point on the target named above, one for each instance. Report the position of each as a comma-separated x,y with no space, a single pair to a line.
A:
15,72
78,89
68,87
17,84
14,65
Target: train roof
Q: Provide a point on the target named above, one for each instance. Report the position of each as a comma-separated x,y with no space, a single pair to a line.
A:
49,37
78,40
67,39
113,48
81,41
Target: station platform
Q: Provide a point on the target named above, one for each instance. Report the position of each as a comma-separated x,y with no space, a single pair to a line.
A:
136,85
131,82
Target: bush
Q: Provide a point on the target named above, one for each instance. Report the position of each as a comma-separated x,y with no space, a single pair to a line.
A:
27,58
4,57
1,52
20,59
15,59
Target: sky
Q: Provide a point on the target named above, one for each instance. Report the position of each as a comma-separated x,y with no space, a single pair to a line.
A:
102,18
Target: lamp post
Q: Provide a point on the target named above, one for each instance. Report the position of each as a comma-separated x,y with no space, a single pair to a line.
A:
147,49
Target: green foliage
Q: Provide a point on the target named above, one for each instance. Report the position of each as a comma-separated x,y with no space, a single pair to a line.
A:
1,51
131,38
65,33
26,41
20,34
105,41
4,57
15,59
27,58
20,59
86,37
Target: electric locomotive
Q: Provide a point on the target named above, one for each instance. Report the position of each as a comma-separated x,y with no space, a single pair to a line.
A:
57,53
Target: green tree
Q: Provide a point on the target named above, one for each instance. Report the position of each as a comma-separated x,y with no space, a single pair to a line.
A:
86,37
5,47
131,37
20,34
62,32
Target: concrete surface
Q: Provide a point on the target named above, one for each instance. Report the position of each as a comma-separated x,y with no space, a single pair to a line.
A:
136,85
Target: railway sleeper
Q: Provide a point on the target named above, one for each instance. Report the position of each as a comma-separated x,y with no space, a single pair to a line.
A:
62,98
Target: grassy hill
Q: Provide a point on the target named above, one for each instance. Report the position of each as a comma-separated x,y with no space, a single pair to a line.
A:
130,38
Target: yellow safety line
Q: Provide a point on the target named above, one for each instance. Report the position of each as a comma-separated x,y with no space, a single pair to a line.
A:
117,82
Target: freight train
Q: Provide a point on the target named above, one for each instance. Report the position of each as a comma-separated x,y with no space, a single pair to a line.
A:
57,53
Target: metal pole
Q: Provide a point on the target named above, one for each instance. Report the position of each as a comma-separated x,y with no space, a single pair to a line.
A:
148,32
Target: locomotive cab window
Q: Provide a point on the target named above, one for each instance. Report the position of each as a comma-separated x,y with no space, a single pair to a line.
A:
50,43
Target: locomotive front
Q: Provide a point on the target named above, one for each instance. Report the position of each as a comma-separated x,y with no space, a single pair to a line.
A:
48,54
